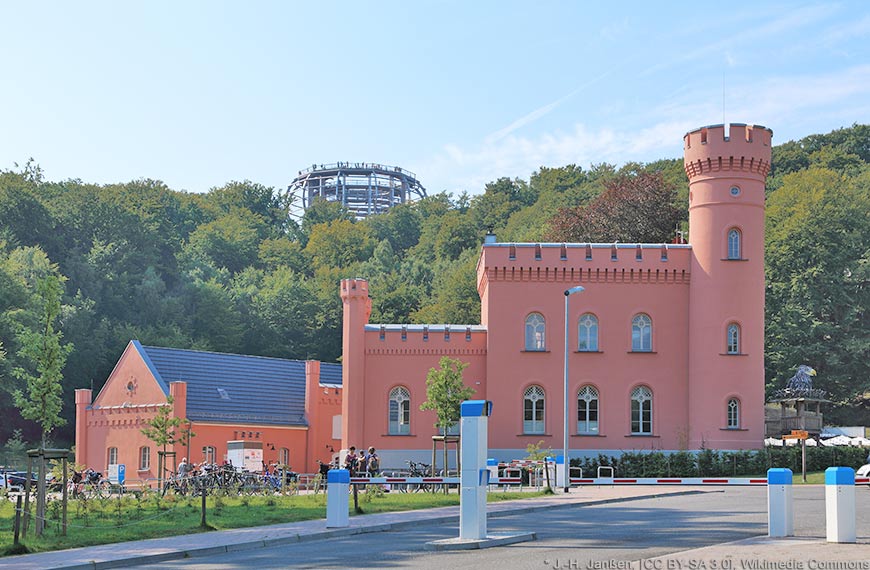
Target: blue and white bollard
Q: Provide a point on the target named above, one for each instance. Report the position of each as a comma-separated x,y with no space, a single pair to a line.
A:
560,471
840,504
780,512
337,487
492,467
474,475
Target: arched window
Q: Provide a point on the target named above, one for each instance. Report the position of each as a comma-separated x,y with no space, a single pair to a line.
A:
734,243
733,343
641,333
209,454
587,410
533,410
733,413
284,456
587,333
535,332
641,411
144,458
400,411
112,456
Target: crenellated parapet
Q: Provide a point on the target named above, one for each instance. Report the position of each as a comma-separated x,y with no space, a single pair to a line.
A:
354,289
717,151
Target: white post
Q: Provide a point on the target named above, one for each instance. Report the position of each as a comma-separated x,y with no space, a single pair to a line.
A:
780,513
474,475
337,487
840,504
566,468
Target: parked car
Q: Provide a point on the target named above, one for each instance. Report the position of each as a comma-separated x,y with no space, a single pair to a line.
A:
863,471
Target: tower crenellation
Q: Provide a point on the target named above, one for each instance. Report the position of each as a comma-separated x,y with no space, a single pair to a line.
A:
738,148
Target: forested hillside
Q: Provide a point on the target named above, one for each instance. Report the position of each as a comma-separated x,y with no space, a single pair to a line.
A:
232,271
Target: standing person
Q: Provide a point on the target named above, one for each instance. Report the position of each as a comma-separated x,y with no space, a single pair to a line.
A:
373,462
183,468
351,460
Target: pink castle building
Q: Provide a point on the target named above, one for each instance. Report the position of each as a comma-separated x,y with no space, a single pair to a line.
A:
286,410
666,342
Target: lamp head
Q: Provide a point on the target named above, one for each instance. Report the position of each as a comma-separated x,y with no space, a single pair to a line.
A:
573,290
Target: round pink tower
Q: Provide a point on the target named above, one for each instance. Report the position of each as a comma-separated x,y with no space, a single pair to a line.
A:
726,173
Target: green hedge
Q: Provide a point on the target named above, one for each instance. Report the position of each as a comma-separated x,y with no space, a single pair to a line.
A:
709,463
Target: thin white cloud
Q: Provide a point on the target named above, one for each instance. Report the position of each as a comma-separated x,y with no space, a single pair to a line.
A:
782,103
541,111
799,18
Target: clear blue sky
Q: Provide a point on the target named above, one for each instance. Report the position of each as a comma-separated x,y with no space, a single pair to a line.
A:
200,93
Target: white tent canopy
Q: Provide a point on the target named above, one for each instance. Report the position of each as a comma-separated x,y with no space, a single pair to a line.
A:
839,440
772,442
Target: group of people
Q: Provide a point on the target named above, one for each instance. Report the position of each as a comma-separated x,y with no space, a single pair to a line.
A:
366,462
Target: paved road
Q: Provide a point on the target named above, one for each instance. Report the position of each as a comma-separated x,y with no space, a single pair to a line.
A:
568,537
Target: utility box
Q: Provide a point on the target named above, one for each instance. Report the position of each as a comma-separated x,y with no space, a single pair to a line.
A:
245,455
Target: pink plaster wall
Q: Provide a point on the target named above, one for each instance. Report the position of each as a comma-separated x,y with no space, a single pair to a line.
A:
117,415
690,292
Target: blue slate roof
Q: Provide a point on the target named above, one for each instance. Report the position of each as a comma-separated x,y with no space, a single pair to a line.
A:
234,388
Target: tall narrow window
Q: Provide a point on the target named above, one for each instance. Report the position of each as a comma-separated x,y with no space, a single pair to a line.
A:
641,411
284,456
587,333
112,456
209,454
533,410
400,411
641,333
144,458
733,339
733,413
535,332
734,244
587,410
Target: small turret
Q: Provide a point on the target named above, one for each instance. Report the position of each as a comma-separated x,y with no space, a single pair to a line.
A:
357,308
726,170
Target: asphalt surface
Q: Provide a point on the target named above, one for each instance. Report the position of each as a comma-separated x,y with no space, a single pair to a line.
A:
592,537
591,528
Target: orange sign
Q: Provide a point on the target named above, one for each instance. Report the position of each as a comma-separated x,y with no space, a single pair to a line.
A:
797,434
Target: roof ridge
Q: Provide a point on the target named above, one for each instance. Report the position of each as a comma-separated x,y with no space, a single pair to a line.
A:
231,354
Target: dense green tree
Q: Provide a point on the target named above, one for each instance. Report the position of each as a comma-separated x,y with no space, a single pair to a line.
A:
339,243
636,208
817,274
231,242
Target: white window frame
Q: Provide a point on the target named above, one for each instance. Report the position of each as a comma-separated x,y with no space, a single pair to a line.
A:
536,333
587,333
534,407
209,454
144,458
399,411
732,339
284,456
588,408
641,411
112,456
734,244
733,413
641,333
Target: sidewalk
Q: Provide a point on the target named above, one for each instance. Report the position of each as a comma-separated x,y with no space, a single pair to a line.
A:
171,548
764,553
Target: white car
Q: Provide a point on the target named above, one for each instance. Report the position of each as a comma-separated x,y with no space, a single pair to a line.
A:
863,471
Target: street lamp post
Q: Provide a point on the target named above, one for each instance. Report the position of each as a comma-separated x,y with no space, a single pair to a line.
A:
566,462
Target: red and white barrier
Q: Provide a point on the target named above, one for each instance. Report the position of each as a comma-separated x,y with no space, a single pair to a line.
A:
683,481
668,481
699,481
